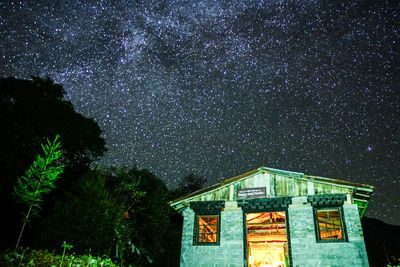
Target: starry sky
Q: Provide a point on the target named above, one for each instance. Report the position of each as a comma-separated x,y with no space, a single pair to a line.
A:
218,88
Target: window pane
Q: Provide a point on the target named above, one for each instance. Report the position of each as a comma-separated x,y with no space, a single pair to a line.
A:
325,235
322,214
213,238
334,214
212,220
329,224
207,229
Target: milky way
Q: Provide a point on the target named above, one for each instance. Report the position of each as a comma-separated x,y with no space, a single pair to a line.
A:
218,88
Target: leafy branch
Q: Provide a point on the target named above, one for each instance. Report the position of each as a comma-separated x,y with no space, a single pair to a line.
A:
38,180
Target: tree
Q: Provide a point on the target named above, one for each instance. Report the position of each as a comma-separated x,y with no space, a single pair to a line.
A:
95,215
30,111
125,186
109,207
190,183
38,180
151,219
34,109
85,217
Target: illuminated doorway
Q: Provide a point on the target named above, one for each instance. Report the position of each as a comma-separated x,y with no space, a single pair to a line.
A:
267,239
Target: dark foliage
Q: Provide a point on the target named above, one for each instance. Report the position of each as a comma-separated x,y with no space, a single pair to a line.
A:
382,242
46,258
110,207
84,217
154,230
30,112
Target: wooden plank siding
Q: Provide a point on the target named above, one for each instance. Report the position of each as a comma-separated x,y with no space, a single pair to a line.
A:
279,183
276,186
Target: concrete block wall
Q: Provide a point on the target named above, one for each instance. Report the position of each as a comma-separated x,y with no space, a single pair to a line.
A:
307,252
230,251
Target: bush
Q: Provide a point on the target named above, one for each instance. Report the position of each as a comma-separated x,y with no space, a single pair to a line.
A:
45,258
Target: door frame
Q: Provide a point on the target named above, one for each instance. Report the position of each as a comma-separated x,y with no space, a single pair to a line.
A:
245,258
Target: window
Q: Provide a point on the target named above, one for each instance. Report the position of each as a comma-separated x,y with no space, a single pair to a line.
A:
207,222
329,224
207,230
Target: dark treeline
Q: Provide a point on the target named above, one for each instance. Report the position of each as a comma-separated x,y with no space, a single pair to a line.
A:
121,213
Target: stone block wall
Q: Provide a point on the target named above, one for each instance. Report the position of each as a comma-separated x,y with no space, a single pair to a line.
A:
307,252
230,251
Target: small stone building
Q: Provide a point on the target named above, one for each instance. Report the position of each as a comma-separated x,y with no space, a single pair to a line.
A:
271,217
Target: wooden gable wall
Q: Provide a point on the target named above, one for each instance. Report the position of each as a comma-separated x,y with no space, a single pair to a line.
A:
276,185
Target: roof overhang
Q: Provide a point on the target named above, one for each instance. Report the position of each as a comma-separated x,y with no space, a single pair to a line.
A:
361,193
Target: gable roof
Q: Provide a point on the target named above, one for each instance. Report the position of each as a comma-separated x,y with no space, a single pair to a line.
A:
360,192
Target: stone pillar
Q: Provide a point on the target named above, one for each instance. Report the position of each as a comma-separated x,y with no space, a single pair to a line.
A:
231,248
302,234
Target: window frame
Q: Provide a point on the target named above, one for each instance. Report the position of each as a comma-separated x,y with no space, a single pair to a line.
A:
342,223
196,229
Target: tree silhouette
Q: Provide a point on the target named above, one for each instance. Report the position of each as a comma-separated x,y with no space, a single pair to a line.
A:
30,111
190,183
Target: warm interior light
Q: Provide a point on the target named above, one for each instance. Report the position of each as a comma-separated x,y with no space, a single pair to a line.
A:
329,224
267,239
208,226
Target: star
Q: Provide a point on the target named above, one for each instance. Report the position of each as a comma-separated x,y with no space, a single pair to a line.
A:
218,89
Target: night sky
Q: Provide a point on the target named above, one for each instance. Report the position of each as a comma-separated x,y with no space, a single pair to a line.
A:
218,88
